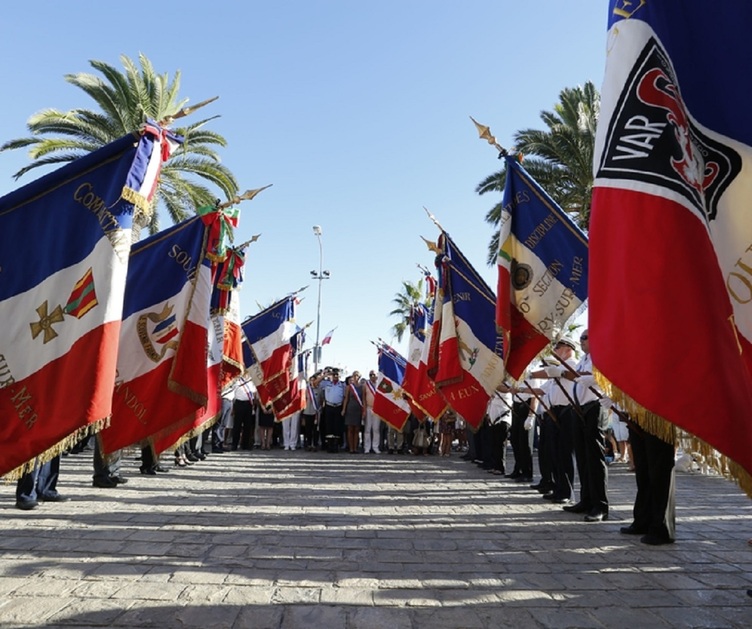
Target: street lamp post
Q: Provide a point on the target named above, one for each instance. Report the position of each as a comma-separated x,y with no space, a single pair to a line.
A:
320,276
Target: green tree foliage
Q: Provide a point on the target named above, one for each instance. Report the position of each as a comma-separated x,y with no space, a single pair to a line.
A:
560,157
125,100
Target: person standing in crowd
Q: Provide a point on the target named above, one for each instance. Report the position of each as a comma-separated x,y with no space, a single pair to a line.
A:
39,485
499,412
243,424
655,503
372,432
334,396
265,424
589,426
447,423
106,471
353,411
309,417
524,405
291,431
225,421
560,407
395,440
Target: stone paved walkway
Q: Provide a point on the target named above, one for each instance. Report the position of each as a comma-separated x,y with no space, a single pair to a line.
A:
305,540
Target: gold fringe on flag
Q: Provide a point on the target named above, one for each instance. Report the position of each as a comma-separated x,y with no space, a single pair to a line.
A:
139,201
193,432
56,450
670,433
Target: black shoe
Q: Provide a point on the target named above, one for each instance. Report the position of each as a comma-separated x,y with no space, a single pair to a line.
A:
120,480
513,475
26,505
161,469
631,530
561,501
192,458
598,516
149,471
577,508
218,450
524,479
200,456
549,495
655,540
53,498
104,483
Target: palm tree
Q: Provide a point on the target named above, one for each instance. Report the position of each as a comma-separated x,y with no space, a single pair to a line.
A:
410,295
559,158
125,101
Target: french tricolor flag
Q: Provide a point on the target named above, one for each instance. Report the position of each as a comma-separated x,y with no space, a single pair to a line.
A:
389,401
64,245
269,334
417,383
162,361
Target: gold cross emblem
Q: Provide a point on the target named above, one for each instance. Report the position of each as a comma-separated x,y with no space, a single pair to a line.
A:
45,322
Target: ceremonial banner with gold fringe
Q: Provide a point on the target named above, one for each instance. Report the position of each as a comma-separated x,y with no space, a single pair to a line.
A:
670,234
267,349
466,362
161,363
417,383
543,269
389,401
208,414
294,399
64,244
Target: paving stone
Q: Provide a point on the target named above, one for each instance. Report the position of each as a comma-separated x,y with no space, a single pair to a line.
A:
318,540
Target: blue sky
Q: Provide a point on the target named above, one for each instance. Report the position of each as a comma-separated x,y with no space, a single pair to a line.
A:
356,112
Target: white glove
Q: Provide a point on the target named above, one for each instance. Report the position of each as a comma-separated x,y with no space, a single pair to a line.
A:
586,381
554,371
529,422
606,402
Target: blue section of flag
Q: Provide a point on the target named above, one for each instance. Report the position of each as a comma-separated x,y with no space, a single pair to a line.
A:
169,322
719,95
63,215
162,264
420,322
472,299
266,322
392,364
249,359
544,228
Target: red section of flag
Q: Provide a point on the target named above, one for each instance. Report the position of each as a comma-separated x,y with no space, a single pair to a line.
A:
51,404
661,326
170,393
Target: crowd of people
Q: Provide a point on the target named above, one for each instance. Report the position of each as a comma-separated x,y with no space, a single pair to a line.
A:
560,411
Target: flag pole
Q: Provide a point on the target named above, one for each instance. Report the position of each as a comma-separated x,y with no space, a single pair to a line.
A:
484,133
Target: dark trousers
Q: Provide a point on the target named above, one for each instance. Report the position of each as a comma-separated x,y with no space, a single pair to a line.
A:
498,433
547,450
518,436
589,449
243,425
333,423
655,507
308,422
103,470
40,482
564,449
483,445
